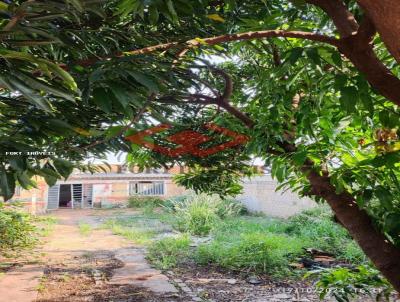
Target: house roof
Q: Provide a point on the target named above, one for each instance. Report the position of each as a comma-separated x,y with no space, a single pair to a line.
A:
119,176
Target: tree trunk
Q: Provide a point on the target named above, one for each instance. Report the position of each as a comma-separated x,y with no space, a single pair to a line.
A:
385,15
378,75
384,255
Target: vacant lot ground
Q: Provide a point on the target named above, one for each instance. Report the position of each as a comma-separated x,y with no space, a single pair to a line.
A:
138,255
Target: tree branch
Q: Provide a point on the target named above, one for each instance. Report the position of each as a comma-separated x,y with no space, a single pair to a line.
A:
197,42
239,37
366,31
228,84
344,21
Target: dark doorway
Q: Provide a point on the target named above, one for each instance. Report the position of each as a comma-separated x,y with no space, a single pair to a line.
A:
65,196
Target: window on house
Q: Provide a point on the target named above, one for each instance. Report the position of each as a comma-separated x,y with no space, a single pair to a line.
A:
146,188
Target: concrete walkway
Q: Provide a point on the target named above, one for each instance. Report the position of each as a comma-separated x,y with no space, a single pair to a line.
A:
20,285
137,271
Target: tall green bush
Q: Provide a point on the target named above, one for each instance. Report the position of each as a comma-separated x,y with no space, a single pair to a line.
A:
17,230
198,214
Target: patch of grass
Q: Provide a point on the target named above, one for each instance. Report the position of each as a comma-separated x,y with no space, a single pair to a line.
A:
45,225
85,229
129,231
252,252
66,277
257,244
268,245
142,201
169,252
317,229
41,287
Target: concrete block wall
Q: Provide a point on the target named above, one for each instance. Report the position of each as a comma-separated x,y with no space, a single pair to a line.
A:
259,195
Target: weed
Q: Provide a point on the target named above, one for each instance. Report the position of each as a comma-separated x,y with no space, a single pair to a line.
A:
66,277
345,284
85,229
41,287
17,229
169,252
45,225
88,255
252,252
142,201
138,235
199,214
317,229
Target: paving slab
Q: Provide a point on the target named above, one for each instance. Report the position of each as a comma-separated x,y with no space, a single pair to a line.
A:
136,271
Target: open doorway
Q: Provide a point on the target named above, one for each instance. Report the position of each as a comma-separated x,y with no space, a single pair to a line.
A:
65,200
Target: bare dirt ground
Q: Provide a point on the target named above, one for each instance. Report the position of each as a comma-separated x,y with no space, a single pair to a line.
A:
82,267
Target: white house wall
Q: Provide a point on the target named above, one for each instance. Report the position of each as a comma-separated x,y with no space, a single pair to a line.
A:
259,196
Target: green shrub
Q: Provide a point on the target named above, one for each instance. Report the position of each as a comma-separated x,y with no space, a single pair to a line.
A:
197,218
144,201
345,284
230,208
318,230
252,252
169,252
17,230
170,204
199,214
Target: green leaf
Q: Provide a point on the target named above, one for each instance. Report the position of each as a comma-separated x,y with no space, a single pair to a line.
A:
153,14
24,180
124,95
102,99
312,53
45,88
145,80
349,98
300,157
172,13
385,197
14,84
18,164
3,6
61,73
7,183
295,54
50,175
113,131
63,167
60,126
